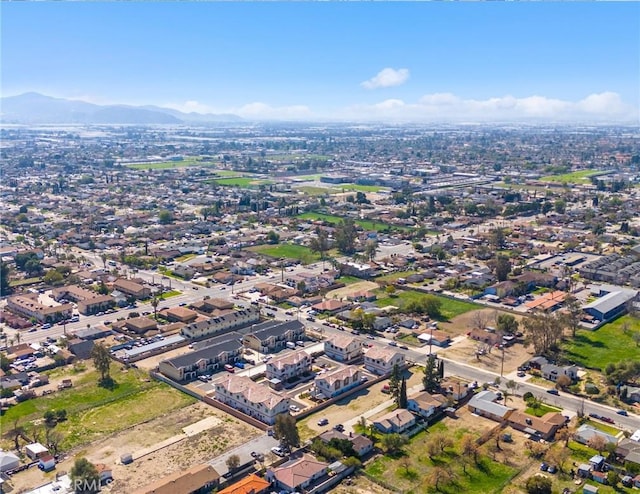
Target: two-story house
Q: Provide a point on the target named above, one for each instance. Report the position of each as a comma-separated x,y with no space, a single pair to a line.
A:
337,382
289,366
552,372
299,474
251,398
381,361
396,421
343,348
425,404
233,319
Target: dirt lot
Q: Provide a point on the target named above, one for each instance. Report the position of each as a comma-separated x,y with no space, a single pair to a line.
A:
186,453
152,362
352,407
465,351
359,485
355,287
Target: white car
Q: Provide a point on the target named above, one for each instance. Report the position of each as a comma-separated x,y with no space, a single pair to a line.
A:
278,451
294,408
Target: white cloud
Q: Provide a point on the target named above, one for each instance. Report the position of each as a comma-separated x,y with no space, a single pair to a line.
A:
604,107
263,111
191,106
387,77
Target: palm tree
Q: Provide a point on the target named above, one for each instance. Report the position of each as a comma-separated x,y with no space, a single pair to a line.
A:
154,303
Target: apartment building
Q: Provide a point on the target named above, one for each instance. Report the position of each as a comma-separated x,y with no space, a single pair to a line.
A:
132,288
336,382
221,350
221,324
253,399
343,348
289,366
28,306
381,360
88,301
272,336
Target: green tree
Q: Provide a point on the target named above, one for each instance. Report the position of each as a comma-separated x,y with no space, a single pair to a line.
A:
165,217
538,485
345,236
371,249
497,238
431,379
501,267
233,462
393,443
286,431
402,399
320,244
5,271
53,277
273,237
507,323
102,361
85,477
394,383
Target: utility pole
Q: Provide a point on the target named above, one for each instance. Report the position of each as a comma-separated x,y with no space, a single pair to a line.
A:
502,364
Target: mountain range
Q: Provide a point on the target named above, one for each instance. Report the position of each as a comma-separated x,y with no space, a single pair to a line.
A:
35,108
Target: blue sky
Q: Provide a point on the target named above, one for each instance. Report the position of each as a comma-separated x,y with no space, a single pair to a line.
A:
344,60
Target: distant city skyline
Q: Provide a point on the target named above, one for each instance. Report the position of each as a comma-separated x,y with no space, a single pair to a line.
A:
357,61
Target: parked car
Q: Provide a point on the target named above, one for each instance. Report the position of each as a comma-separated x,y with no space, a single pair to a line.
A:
544,467
553,391
338,427
607,419
229,368
278,451
552,469
322,422
294,408
623,413
404,347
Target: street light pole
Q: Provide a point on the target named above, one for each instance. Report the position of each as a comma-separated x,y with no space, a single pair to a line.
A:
502,363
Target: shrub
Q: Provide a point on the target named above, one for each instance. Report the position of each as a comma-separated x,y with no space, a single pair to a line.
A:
591,389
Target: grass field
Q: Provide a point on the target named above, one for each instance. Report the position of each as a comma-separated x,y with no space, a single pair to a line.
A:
167,165
329,218
316,191
580,176
449,309
610,343
360,188
245,182
541,410
27,281
410,472
94,411
288,251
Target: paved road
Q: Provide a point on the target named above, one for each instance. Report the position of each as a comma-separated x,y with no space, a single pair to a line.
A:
262,444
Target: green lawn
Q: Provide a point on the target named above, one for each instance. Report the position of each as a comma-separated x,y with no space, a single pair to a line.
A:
449,309
94,411
349,280
360,188
610,343
329,218
541,410
166,165
580,176
410,472
26,281
288,251
169,294
315,191
245,182
395,276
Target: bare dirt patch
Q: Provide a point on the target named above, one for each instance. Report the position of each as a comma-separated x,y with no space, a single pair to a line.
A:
355,287
226,433
360,485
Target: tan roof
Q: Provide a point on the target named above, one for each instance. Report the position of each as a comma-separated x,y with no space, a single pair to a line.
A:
253,392
340,374
289,359
295,473
426,400
544,424
342,340
381,353
128,285
399,418
182,481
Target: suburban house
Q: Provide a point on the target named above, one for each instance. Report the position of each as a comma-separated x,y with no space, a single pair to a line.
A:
88,301
8,461
251,484
80,348
180,314
396,421
195,480
289,366
425,404
221,324
586,432
361,445
543,427
343,348
336,382
435,337
298,474
552,372
380,360
331,306
251,398
132,288
35,451
140,325
484,404
454,388
272,336
28,306
221,350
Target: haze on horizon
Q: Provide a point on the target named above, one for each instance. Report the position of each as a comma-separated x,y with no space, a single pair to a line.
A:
387,61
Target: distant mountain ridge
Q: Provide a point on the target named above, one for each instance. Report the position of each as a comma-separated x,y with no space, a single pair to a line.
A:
36,108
